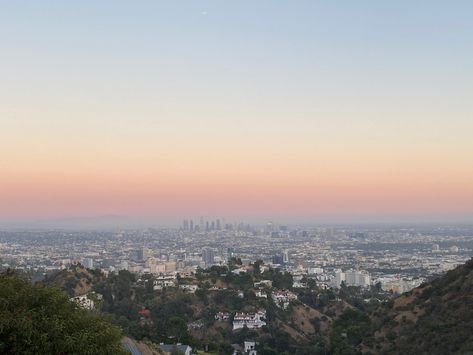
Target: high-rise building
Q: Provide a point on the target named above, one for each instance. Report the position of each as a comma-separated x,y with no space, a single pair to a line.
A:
185,224
201,224
218,224
339,278
277,259
269,227
285,256
191,225
139,255
352,278
208,256
143,254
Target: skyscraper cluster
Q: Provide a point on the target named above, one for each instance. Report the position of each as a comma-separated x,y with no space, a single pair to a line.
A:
213,225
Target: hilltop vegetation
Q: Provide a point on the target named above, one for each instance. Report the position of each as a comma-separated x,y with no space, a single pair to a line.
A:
173,314
436,318
37,319
75,280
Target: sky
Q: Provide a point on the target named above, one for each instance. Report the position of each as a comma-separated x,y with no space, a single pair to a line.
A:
297,110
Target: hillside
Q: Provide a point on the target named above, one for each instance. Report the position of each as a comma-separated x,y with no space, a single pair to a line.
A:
145,309
183,308
436,318
75,280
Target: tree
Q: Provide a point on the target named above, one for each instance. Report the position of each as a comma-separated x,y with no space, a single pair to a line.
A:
257,266
37,319
349,330
177,329
280,279
311,283
234,263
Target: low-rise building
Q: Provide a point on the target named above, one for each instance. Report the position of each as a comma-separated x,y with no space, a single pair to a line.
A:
189,288
282,298
169,348
222,316
250,320
261,294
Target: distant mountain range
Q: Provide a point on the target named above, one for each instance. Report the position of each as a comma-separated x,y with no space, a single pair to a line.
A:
101,222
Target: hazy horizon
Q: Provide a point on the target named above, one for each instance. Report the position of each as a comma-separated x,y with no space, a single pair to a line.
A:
142,222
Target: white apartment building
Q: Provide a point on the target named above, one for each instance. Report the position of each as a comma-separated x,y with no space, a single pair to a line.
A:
352,278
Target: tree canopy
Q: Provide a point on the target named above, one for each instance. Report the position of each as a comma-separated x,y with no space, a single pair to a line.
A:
37,319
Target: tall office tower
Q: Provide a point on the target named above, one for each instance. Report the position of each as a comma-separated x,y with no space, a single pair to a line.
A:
201,224
218,224
208,256
285,256
186,224
207,227
277,259
339,278
212,226
142,254
191,225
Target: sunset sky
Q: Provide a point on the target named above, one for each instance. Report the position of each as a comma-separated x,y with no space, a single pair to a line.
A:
286,109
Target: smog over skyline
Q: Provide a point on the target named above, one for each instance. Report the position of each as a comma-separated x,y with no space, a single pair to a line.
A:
310,112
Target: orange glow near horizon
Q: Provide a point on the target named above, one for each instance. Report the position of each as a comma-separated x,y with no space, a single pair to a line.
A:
307,110
46,189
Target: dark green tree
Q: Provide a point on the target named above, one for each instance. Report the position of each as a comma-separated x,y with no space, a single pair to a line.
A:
38,319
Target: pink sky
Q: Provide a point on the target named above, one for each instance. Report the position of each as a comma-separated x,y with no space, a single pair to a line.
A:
290,109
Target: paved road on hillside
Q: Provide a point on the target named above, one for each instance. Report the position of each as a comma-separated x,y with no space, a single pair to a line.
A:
130,346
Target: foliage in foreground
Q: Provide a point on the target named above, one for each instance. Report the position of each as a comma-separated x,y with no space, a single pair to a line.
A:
36,319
